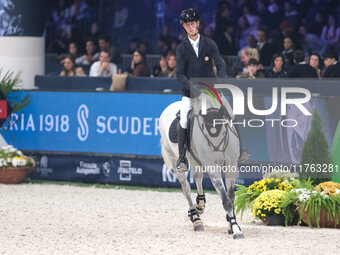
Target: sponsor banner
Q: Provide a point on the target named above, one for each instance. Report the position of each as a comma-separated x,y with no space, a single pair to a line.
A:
113,123
125,171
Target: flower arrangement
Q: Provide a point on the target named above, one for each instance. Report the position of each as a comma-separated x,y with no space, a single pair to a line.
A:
11,157
268,204
312,202
270,184
245,196
329,188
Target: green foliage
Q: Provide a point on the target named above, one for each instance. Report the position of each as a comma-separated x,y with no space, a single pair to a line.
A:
7,83
245,196
244,199
315,151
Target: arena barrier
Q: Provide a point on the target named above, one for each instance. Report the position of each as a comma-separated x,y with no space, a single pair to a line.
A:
112,169
325,87
125,125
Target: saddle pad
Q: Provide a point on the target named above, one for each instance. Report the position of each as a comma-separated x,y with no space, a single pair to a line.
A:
173,130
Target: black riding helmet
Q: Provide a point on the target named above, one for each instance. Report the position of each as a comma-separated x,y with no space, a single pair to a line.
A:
189,15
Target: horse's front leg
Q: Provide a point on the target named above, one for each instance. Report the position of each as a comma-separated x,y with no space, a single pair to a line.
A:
228,206
200,198
192,213
230,178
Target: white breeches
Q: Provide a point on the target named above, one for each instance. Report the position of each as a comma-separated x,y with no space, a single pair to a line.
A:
185,108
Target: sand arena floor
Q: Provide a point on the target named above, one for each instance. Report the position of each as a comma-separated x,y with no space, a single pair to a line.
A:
55,219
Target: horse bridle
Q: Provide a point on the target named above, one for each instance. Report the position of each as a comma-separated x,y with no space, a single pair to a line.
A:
224,141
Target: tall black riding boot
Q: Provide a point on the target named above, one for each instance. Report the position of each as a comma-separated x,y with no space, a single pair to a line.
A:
182,162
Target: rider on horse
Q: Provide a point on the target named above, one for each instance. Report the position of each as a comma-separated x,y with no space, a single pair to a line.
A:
194,59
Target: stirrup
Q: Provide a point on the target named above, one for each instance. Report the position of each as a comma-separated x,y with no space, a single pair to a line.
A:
182,164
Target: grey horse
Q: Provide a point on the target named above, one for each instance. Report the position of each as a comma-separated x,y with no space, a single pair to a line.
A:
211,148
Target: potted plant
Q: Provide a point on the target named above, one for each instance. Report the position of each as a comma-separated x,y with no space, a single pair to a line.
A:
14,165
317,206
245,196
267,207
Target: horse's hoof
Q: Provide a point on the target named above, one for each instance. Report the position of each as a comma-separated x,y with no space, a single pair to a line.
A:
199,210
198,227
238,236
230,232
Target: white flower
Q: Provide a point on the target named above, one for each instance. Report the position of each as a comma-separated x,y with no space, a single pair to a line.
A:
19,153
337,191
12,150
18,162
14,163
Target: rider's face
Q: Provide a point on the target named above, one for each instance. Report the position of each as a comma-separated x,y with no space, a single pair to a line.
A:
191,27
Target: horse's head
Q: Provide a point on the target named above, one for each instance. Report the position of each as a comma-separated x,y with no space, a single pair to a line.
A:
214,111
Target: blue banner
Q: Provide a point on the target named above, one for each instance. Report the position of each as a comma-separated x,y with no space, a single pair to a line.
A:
118,170
115,123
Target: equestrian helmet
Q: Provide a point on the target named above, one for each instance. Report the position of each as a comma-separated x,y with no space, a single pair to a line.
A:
189,15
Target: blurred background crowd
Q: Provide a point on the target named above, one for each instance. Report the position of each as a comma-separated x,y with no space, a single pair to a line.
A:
268,31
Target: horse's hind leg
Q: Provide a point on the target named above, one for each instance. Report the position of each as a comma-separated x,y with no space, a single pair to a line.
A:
200,198
227,204
192,213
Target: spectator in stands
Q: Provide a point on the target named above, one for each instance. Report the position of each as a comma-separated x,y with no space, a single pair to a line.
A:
70,68
275,16
263,13
248,14
246,55
59,15
163,66
121,15
311,42
242,31
208,31
94,32
331,33
226,40
171,63
264,48
60,44
165,36
301,69
316,7
254,70
133,45
162,47
288,52
104,43
90,56
290,13
277,70
138,64
332,65
79,11
223,17
317,25
103,67
315,62
144,47
174,44
73,50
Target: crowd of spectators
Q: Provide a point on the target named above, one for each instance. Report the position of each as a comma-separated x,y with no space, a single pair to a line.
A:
269,36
